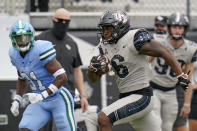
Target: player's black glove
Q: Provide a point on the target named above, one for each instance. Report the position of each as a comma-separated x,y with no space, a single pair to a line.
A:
183,82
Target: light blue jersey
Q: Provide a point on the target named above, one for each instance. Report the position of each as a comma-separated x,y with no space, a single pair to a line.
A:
31,67
60,106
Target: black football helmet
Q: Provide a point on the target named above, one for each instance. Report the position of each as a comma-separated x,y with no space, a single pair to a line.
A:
118,20
162,21
178,19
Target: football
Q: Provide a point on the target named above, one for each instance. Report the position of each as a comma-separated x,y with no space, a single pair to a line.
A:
104,64
100,64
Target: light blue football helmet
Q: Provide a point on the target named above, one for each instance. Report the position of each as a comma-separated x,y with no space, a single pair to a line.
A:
22,35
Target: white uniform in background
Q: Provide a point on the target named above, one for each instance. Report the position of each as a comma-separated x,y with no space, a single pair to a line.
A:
164,83
86,121
160,37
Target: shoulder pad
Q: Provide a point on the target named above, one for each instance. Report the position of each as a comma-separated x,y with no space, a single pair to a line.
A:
141,37
46,51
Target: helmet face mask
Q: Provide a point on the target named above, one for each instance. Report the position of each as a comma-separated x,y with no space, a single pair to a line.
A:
177,19
107,31
116,19
160,29
22,36
177,32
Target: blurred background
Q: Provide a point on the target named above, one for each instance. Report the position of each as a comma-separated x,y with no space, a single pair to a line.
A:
83,28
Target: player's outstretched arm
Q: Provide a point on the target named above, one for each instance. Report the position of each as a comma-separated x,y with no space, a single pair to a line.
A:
153,48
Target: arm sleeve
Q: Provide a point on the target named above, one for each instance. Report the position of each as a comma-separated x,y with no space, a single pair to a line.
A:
141,37
47,52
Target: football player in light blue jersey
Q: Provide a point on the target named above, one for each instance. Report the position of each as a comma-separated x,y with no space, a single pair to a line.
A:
36,64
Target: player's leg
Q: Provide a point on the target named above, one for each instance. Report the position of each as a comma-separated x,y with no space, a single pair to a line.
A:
152,120
169,110
180,123
147,123
124,110
63,111
157,104
104,122
34,117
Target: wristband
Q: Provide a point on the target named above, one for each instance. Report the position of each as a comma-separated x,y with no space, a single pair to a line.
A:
186,105
53,88
17,98
59,72
82,95
44,94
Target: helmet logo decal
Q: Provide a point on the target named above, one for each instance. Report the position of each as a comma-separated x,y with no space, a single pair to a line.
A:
120,17
20,25
178,17
160,18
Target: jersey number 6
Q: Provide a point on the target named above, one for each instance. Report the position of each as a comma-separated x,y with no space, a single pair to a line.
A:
121,70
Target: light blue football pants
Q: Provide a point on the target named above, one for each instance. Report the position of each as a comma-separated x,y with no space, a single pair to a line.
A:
59,106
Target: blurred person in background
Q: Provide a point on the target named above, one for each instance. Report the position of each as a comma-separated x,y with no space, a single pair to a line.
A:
164,81
184,99
160,28
37,66
42,5
193,113
67,53
126,51
88,120
106,0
